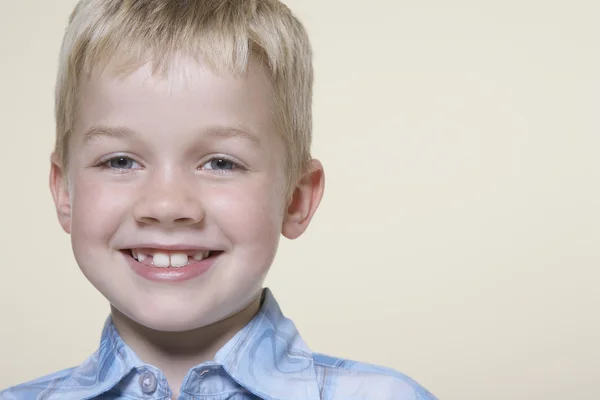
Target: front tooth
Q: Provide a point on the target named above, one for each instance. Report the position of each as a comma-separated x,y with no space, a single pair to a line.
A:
141,257
201,255
179,260
160,260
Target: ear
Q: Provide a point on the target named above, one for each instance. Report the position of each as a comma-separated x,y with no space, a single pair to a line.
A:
60,193
304,201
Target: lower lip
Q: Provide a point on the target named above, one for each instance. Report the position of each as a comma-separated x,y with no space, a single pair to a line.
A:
170,274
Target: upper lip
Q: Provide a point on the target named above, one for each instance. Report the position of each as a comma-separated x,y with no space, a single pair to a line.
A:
170,247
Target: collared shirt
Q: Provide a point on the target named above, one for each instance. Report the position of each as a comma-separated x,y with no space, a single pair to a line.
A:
266,360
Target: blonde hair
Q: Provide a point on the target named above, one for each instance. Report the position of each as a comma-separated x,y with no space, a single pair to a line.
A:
225,33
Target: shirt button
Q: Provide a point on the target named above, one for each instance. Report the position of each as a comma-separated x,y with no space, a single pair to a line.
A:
148,382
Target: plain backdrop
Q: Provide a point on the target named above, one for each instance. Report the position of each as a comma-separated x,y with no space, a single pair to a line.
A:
458,240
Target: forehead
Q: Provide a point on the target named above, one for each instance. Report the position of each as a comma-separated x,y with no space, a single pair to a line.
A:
189,95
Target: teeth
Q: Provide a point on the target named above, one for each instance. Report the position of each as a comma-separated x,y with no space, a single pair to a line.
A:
179,260
138,256
161,260
201,255
164,260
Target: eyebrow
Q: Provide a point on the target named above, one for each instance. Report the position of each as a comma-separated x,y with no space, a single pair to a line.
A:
96,132
224,132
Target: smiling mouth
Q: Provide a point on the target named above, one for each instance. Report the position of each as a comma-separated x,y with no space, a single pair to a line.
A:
170,259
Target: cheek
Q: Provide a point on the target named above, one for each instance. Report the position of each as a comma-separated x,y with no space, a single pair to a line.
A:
96,210
251,214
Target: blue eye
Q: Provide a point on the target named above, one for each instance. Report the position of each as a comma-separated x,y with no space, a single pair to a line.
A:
122,163
220,164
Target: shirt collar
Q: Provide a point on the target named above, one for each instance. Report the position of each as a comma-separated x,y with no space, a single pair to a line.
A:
267,357
102,371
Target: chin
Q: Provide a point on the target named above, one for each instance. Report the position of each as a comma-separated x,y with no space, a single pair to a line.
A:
169,319
171,324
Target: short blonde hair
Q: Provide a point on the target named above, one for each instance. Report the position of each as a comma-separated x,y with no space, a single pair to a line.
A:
225,33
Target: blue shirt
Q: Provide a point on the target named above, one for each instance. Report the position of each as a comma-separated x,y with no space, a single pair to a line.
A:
266,360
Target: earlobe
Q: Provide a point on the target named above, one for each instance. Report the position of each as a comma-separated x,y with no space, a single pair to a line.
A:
60,193
304,201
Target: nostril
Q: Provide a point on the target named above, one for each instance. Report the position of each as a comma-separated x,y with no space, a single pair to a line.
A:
183,220
149,220
169,221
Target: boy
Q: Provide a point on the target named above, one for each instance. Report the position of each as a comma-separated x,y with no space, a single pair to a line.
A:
182,153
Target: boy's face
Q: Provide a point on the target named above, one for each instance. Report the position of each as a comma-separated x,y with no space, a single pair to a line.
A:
183,165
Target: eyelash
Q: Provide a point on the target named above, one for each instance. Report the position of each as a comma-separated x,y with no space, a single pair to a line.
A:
106,163
236,165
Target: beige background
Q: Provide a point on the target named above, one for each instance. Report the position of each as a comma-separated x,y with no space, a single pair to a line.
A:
458,240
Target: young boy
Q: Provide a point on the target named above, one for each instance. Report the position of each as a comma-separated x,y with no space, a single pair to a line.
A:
182,153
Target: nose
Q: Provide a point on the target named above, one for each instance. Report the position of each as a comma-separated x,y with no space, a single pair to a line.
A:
168,201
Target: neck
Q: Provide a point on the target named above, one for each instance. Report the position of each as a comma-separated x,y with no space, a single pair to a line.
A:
175,353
